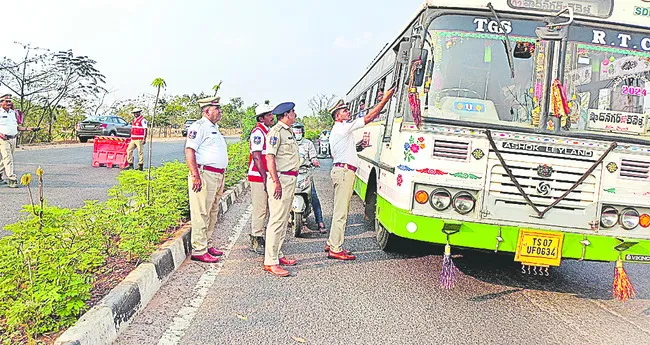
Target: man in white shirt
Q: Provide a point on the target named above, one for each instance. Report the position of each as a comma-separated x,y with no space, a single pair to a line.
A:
344,159
207,158
9,129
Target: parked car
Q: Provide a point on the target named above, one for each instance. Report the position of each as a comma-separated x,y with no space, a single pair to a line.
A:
114,126
186,125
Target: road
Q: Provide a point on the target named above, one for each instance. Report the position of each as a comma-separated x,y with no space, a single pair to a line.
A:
69,177
384,298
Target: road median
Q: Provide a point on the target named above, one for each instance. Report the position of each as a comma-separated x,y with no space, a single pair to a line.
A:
102,323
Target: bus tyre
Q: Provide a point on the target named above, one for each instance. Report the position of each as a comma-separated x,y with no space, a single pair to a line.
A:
371,198
387,242
296,224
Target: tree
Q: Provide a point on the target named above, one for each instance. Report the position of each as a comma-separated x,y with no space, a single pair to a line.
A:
48,82
217,87
320,103
158,83
320,118
233,113
249,121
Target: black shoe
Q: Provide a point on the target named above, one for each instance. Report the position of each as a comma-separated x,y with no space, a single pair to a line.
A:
257,244
2,181
140,167
128,167
13,184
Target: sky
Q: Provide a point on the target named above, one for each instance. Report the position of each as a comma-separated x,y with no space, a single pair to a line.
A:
280,50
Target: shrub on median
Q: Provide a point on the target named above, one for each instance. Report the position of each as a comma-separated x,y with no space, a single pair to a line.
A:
49,264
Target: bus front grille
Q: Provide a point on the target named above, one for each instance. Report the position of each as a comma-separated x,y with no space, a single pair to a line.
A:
543,190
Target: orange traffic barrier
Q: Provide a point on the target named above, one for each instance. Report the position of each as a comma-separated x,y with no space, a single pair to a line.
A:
110,151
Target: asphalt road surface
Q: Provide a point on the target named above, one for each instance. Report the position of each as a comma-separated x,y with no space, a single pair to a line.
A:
69,177
384,298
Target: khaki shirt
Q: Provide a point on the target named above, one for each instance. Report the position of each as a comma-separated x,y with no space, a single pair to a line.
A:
281,144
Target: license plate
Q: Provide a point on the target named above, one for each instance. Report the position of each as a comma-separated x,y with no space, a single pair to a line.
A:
539,248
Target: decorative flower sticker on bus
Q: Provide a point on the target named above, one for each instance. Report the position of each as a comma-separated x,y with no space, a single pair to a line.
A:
432,171
400,180
612,167
405,168
465,175
412,147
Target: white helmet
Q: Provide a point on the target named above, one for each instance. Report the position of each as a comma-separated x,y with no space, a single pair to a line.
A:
263,109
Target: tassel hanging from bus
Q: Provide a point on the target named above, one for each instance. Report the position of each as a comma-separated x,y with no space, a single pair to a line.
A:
622,289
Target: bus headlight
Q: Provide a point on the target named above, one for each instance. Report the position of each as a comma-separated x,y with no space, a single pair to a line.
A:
608,217
440,199
463,202
629,218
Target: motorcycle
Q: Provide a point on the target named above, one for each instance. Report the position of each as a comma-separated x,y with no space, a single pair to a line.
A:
301,207
324,144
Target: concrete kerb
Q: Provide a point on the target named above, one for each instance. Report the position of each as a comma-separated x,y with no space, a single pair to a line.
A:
104,322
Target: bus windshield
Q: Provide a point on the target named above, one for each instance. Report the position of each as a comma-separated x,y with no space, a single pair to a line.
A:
608,80
470,78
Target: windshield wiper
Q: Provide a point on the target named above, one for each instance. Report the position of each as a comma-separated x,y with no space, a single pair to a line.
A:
506,44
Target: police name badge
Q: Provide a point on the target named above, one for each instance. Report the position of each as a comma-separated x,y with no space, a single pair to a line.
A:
273,140
191,134
257,140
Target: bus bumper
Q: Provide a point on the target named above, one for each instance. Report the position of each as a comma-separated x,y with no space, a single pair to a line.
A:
590,247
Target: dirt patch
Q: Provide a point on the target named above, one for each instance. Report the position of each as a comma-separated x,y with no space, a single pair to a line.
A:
112,273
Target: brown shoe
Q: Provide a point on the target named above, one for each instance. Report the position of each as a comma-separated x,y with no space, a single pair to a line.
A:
276,270
327,249
340,255
287,262
205,258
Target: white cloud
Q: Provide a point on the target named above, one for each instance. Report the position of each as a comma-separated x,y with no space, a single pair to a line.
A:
353,43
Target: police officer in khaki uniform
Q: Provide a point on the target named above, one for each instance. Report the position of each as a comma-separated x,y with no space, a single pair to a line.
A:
207,157
283,162
257,172
9,129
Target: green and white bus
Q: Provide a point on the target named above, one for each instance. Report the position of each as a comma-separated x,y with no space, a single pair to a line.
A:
532,137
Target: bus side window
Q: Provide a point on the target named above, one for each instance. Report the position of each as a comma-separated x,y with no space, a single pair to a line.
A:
382,88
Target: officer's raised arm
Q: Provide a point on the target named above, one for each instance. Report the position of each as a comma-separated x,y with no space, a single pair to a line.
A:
374,112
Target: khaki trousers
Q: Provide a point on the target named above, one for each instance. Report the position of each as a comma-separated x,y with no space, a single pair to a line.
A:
343,180
129,151
260,209
7,148
279,210
204,208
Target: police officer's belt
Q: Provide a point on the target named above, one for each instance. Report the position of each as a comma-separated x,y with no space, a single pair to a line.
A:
212,169
346,166
290,173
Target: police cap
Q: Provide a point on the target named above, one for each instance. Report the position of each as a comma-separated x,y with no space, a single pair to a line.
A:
282,108
338,106
204,102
